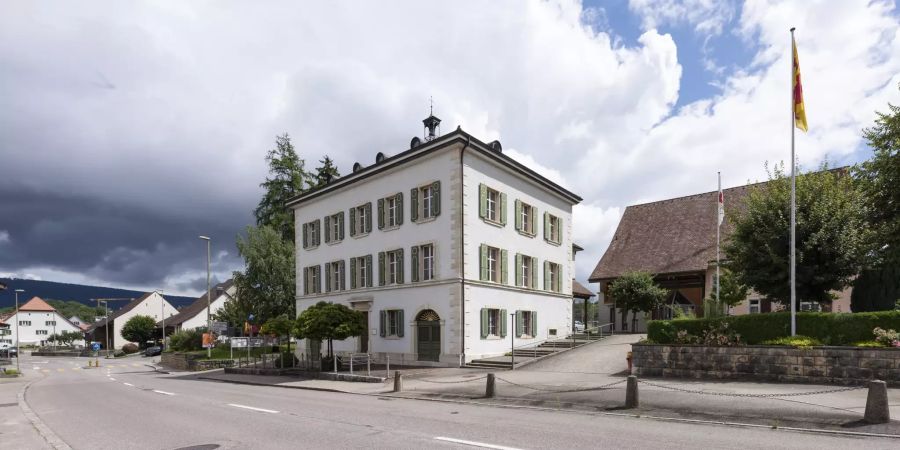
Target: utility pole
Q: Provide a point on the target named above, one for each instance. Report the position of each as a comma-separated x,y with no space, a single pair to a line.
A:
18,353
208,299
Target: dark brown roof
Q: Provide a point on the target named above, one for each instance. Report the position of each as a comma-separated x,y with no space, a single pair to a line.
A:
669,236
112,317
578,290
197,307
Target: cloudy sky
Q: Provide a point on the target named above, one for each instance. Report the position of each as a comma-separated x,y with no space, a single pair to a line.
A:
130,128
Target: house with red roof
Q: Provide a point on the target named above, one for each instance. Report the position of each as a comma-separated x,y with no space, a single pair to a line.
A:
35,322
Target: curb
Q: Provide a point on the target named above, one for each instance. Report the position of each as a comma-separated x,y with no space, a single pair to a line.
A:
36,421
657,418
305,388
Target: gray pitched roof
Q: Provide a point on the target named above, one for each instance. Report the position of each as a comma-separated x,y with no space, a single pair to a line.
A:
112,317
197,307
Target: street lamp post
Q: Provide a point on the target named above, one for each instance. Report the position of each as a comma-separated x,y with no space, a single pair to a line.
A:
18,356
208,295
162,313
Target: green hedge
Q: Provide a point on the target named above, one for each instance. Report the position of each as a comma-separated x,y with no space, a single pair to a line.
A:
829,328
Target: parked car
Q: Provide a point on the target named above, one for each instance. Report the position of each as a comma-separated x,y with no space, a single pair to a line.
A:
152,351
579,326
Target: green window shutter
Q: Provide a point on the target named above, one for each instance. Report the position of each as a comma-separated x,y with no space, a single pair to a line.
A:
327,277
502,323
534,272
399,208
546,226
519,270
503,270
368,271
352,273
382,323
547,286
401,325
306,281
305,238
380,213
534,327
484,263
399,266
484,323
503,208
559,278
532,226
352,222
343,274
318,233
318,284
520,325
414,204
341,225
414,264
482,201
381,274
327,229
519,215
435,199
369,217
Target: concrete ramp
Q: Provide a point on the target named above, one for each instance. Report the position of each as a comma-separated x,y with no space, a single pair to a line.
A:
604,357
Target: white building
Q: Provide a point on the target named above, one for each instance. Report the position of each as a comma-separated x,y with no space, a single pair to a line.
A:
37,321
150,304
440,247
194,315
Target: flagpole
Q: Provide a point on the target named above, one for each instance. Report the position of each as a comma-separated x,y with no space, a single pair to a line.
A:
793,201
718,234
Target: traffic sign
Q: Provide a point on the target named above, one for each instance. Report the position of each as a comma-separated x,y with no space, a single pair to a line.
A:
95,346
219,327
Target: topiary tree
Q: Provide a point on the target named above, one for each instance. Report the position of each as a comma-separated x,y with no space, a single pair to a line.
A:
139,329
326,321
636,292
282,327
831,234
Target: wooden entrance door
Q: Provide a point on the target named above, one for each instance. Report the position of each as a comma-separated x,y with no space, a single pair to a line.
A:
428,336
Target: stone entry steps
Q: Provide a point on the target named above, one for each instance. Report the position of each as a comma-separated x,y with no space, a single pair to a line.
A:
523,355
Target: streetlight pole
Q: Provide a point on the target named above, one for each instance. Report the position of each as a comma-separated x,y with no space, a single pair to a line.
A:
162,313
18,319
208,295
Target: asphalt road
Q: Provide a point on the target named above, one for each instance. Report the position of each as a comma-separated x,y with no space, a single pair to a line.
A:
129,406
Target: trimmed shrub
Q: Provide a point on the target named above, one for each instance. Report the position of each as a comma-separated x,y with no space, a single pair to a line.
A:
186,340
828,328
130,348
868,344
794,341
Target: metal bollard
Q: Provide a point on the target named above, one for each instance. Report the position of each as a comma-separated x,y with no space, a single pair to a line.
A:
368,365
877,410
351,364
490,388
387,370
398,381
631,393
334,358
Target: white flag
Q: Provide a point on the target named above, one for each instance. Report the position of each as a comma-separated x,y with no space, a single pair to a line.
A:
721,206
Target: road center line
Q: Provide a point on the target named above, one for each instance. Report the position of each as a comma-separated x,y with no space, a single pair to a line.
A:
128,384
254,409
163,392
473,443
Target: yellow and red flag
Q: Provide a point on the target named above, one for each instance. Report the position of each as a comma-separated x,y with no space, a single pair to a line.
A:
799,107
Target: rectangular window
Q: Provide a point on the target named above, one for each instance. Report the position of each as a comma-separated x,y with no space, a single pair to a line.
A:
810,306
335,227
525,218
493,205
311,278
525,271
493,264
361,272
394,267
552,276
754,306
335,276
50,323
391,211
528,323
310,234
494,322
393,322
360,219
41,332
552,228
427,195
25,323
422,262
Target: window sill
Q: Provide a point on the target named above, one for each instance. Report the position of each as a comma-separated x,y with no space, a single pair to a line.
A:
552,242
359,235
527,234
390,228
425,220
492,337
493,222
311,247
392,337
334,242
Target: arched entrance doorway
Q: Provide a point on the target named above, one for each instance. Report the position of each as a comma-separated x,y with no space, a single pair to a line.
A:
428,335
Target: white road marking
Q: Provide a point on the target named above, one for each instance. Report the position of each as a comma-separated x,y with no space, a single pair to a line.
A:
37,368
254,409
111,378
128,384
163,392
473,443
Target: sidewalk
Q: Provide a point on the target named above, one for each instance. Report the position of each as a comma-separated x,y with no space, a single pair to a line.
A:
16,430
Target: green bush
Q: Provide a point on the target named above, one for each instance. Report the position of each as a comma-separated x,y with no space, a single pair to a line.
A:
868,344
130,348
794,341
10,371
828,328
186,340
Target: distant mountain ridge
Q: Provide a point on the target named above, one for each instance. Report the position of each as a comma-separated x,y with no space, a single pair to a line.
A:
77,292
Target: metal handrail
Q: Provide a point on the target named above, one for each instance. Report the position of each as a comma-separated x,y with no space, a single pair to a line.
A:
535,345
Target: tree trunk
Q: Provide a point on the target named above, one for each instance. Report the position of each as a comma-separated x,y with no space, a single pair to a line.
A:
624,319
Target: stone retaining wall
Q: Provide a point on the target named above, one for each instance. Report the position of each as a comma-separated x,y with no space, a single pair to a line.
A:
191,362
306,374
829,365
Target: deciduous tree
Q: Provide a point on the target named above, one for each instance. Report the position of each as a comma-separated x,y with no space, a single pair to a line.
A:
266,287
139,329
326,321
636,292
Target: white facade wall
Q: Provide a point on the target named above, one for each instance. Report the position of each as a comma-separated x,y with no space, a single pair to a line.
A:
29,333
152,306
443,294
200,319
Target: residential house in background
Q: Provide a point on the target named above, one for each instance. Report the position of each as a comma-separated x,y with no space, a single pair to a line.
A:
194,315
79,323
37,321
675,240
448,248
151,304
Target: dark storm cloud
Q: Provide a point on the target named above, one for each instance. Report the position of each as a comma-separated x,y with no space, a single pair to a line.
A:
112,241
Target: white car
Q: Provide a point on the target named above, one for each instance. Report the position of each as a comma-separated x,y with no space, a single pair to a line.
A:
579,326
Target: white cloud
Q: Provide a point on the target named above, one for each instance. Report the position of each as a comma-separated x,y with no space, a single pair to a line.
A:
4,236
706,16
